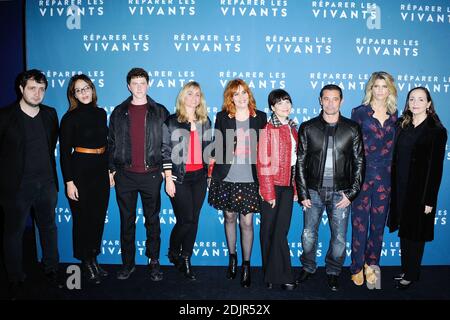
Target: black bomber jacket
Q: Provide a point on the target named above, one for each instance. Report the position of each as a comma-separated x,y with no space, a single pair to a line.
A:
119,141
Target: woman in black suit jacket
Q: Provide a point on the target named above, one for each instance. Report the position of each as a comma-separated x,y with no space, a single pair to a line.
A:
234,186
416,177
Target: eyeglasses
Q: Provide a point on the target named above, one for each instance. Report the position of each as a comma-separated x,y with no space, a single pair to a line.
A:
83,90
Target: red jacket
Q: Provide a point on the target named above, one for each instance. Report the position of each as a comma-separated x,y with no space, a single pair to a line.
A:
274,159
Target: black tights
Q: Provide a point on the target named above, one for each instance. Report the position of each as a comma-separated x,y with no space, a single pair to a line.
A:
246,226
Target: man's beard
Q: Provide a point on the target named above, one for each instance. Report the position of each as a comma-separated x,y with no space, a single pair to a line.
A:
30,103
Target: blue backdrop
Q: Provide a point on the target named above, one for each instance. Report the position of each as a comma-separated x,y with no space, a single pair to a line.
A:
296,45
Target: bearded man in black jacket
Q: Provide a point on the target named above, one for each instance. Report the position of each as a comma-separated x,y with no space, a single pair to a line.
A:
28,179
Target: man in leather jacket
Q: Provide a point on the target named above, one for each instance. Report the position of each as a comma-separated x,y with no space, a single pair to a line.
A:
329,176
135,165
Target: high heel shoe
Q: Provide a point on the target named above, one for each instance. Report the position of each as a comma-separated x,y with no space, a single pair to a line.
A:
403,286
399,276
232,266
245,274
358,278
373,276
289,286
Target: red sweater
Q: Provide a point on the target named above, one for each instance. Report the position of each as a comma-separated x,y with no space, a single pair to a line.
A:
274,159
137,135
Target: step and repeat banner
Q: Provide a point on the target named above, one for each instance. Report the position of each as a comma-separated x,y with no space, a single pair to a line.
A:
296,45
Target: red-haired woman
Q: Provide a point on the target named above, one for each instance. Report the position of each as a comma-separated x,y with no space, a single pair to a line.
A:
234,185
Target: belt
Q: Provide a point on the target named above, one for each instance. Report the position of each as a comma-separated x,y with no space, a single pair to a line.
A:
88,150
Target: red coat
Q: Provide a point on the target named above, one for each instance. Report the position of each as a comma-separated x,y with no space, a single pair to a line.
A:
274,159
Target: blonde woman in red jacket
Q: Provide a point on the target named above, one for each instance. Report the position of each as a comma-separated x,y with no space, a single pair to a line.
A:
277,156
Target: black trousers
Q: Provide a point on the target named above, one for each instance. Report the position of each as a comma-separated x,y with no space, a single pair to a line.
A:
88,213
148,186
40,198
411,258
275,223
187,204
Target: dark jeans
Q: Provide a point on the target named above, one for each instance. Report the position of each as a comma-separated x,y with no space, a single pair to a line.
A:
148,185
411,258
41,198
275,223
325,199
187,204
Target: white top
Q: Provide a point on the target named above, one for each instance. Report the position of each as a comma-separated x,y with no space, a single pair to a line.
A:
293,150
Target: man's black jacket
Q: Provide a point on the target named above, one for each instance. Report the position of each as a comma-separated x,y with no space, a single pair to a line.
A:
119,141
348,157
12,146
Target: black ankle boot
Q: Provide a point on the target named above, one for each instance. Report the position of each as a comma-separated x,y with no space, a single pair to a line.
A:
98,270
175,258
232,266
245,274
89,272
186,268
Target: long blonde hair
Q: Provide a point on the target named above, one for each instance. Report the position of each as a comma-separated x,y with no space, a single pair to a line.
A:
201,113
391,101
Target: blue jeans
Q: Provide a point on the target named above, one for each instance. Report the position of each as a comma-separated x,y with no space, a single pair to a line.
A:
324,199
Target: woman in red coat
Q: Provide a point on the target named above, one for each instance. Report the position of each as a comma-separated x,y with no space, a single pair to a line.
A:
277,156
416,176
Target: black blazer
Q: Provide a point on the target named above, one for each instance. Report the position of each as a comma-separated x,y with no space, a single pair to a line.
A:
425,174
224,148
12,146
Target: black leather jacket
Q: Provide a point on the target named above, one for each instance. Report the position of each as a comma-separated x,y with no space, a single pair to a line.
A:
119,142
176,140
348,157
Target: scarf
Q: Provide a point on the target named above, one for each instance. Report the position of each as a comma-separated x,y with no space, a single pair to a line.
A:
277,123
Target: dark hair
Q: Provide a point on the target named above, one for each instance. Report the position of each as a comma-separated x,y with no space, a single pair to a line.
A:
32,74
73,101
407,114
331,87
278,95
137,73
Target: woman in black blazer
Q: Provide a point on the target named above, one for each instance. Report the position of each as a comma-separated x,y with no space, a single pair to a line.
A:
416,177
234,186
